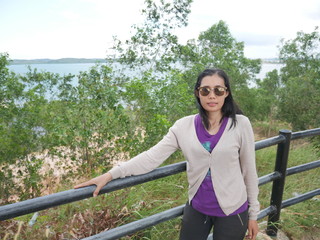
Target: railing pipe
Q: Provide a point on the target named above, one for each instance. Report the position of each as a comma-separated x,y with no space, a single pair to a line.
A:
141,224
303,167
269,142
305,133
300,198
56,199
266,212
269,178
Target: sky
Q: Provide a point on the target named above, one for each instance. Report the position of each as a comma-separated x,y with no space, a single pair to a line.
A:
56,29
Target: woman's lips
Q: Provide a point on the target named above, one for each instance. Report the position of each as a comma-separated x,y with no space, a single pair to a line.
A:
212,104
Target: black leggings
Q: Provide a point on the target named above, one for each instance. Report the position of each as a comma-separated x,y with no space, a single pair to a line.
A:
197,226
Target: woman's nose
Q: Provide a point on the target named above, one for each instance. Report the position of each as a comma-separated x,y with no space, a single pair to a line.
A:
211,94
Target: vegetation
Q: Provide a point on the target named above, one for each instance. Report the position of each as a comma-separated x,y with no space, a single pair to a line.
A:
83,123
88,217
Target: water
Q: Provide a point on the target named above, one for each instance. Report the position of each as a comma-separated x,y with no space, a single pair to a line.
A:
60,68
75,68
268,67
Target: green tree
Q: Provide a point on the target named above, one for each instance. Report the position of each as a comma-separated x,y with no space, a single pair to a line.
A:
151,53
300,93
155,103
153,44
265,98
45,111
87,118
20,128
11,93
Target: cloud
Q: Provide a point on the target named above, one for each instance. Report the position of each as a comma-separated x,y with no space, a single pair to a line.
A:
314,14
84,28
257,39
70,15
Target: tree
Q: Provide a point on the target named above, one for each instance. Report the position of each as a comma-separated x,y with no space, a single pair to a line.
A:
88,118
42,111
151,53
300,93
153,44
20,126
265,97
11,93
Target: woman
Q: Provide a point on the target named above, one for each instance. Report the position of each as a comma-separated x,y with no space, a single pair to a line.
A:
218,145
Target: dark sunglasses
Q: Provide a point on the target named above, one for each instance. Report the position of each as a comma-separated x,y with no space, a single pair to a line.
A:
218,91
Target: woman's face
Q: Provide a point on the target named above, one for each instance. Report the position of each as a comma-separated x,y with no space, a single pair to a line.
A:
212,102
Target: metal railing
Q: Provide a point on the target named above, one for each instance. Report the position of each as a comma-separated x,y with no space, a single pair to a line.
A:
273,211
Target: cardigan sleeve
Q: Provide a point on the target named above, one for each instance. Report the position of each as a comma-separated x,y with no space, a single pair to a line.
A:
150,159
248,167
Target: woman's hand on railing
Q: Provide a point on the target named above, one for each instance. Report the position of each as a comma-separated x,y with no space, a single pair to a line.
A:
99,181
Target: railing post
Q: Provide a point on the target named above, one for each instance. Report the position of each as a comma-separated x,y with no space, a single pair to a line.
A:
278,185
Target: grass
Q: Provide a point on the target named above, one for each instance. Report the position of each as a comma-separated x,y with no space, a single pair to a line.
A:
303,218
91,216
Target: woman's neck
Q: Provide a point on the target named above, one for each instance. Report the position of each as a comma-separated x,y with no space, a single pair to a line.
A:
214,120
214,117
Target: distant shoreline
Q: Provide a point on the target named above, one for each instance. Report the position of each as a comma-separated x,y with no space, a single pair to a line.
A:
89,60
57,61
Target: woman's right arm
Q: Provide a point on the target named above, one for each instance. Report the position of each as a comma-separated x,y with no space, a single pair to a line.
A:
140,164
99,181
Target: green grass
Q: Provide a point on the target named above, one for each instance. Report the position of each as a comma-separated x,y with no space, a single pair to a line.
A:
94,215
303,218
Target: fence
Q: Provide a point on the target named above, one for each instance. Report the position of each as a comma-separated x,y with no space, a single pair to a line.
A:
273,211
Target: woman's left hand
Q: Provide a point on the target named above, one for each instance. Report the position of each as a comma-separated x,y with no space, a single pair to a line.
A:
253,229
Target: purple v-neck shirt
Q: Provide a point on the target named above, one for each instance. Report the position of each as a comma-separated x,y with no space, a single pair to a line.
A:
205,200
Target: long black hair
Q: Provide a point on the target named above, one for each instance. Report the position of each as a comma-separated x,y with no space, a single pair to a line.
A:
229,108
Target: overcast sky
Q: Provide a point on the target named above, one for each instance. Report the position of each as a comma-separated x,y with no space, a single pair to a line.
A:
31,29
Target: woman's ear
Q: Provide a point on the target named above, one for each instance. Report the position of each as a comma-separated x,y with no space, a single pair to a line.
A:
196,93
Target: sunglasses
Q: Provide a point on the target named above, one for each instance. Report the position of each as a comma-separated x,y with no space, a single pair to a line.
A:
218,91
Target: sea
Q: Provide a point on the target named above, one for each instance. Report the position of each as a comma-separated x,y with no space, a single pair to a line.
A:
60,68
76,68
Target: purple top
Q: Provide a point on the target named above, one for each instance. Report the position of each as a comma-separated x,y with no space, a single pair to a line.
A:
205,200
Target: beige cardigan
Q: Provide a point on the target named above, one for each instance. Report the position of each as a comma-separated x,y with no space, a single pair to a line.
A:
232,162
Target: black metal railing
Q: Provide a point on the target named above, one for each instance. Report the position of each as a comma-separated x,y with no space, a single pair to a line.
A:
273,211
